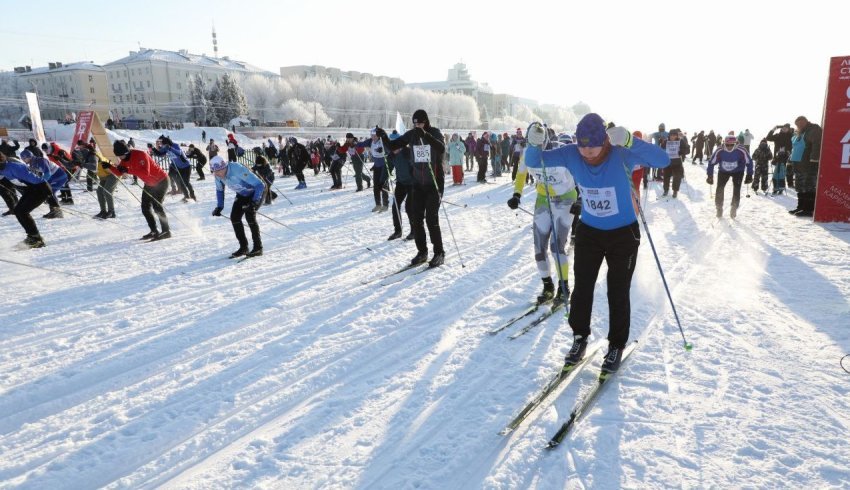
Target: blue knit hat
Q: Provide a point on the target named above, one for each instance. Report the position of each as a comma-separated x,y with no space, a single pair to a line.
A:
591,131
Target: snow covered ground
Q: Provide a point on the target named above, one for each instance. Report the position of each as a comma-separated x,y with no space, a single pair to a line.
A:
167,365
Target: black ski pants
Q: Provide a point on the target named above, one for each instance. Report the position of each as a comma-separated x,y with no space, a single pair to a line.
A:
422,207
722,178
152,200
242,207
33,196
618,247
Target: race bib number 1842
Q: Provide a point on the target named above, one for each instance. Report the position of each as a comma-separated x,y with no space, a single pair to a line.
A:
600,202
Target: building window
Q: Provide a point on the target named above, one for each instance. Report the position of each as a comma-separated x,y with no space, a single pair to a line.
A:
91,90
91,78
72,90
126,85
179,87
149,84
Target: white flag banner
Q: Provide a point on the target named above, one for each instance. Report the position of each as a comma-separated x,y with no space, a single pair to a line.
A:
35,117
399,124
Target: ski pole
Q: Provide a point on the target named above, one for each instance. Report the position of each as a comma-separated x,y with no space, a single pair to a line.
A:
40,268
290,228
456,205
446,214
687,345
525,211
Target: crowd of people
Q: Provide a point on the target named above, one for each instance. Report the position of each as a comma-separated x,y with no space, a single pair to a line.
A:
582,194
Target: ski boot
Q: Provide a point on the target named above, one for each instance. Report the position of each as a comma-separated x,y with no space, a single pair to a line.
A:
54,213
162,236
420,258
34,241
548,291
612,360
576,353
255,252
395,235
560,298
438,259
243,249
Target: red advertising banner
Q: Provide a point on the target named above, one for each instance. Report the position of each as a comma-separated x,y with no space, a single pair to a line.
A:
833,188
84,122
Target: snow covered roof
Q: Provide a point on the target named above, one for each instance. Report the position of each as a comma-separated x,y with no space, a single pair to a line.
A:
78,65
183,57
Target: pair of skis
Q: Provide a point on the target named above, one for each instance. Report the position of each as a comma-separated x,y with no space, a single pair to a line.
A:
564,377
399,275
552,309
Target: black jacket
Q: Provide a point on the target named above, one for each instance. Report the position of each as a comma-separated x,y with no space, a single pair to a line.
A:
780,140
424,174
9,150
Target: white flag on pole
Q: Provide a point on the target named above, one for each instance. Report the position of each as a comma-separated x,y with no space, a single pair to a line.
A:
399,124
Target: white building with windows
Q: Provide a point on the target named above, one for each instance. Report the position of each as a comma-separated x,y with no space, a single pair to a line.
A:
64,89
335,74
154,84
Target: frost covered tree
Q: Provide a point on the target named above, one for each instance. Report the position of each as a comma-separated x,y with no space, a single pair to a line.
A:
306,113
198,98
226,100
260,94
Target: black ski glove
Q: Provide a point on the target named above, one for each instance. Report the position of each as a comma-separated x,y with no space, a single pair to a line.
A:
217,211
710,180
122,169
749,179
513,202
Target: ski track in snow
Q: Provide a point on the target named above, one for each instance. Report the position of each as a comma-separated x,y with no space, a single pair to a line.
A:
168,365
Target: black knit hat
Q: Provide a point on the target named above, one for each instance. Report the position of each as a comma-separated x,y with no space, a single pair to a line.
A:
420,116
349,136
120,148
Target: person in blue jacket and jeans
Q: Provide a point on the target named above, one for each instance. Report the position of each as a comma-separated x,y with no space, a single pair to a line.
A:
601,164
249,197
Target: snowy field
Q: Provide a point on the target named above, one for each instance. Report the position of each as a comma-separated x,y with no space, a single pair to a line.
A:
166,364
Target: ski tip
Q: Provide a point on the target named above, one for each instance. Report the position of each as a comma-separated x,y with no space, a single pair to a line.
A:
551,445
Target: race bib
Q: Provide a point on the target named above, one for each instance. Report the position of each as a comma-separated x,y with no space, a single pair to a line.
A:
422,153
600,202
560,179
673,148
729,166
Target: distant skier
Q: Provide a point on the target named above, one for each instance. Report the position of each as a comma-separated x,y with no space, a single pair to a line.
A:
398,161
732,160
200,160
379,170
249,196
299,158
139,164
676,151
601,163
761,157
183,168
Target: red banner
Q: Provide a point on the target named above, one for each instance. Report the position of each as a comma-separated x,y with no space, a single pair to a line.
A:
833,188
84,121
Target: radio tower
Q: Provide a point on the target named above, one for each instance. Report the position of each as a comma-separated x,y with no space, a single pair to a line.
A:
215,43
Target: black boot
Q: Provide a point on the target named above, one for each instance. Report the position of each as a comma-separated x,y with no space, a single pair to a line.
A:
243,249
395,235
255,252
420,258
548,291
560,298
150,235
612,360
34,241
162,236
438,259
577,351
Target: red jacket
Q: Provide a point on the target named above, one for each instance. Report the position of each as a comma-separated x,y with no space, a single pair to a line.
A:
142,166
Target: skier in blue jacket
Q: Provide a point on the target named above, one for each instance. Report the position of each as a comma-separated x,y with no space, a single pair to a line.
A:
601,163
166,147
35,190
55,176
249,197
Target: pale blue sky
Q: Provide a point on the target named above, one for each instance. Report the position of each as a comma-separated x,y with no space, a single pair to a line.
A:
697,65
